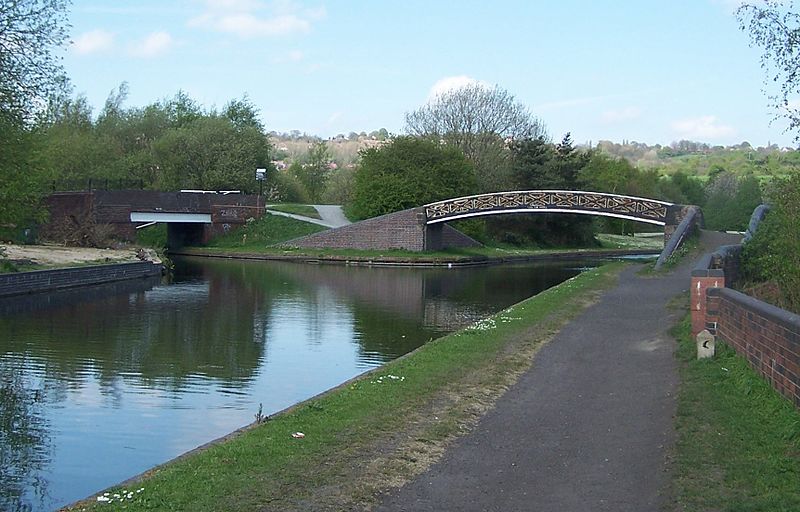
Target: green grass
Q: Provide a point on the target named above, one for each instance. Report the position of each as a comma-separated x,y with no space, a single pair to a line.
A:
305,210
154,236
640,242
738,446
268,230
373,430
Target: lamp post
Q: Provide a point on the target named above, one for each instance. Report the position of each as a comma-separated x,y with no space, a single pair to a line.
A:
261,175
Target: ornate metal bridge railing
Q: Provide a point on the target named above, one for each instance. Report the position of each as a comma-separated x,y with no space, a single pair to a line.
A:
549,201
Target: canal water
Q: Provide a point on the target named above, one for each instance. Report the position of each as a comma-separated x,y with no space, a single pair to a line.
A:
100,384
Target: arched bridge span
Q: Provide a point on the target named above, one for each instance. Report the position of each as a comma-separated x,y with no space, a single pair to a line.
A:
637,209
425,228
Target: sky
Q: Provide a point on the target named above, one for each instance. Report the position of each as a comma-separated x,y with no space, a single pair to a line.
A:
635,70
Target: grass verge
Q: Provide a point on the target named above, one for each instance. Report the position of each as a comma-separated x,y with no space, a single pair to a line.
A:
738,446
373,433
306,210
268,230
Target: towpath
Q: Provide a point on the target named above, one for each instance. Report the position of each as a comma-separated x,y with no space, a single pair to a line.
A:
588,427
332,216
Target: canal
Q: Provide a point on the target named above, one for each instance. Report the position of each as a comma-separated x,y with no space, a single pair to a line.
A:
100,384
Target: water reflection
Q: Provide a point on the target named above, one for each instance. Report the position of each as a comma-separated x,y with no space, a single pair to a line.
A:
100,384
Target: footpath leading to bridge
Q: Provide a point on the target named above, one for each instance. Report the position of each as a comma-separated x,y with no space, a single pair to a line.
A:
588,427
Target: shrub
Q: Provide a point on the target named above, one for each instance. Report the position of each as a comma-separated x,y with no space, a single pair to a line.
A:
773,254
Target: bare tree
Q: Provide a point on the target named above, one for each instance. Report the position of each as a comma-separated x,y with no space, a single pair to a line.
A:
479,120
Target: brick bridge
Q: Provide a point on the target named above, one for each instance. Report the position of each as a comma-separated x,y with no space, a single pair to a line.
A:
425,228
191,217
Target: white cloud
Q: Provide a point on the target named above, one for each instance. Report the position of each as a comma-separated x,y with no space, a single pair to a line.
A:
621,115
452,83
95,41
253,18
153,45
702,128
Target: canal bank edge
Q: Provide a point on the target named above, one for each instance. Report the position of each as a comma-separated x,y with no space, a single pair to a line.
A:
35,281
375,430
414,261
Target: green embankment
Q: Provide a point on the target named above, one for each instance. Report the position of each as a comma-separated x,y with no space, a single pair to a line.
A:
738,446
261,236
268,230
372,433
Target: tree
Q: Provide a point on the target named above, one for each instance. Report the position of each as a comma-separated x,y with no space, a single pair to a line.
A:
773,254
775,28
30,73
30,31
409,172
211,153
537,164
730,201
314,174
242,113
479,120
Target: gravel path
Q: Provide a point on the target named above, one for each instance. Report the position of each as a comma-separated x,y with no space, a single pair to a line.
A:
332,216
588,427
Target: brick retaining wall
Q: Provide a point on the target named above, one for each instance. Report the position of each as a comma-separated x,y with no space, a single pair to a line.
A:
767,336
399,230
17,283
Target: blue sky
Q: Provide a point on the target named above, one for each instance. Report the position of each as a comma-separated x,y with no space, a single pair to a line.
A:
650,71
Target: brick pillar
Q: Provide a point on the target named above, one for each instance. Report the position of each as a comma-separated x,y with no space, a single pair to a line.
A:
702,280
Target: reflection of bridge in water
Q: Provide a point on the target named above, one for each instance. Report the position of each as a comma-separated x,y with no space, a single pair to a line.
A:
441,297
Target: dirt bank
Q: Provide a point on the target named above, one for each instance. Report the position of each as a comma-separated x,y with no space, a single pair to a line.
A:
59,256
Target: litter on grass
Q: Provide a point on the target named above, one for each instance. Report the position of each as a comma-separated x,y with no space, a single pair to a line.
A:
120,497
385,378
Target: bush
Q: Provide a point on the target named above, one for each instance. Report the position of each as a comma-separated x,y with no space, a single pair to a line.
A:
731,201
406,173
773,254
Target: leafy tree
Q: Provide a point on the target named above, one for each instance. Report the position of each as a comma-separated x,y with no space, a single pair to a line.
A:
339,187
731,201
479,121
314,174
604,173
690,189
288,188
30,71
243,114
537,164
409,172
211,153
21,180
775,28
